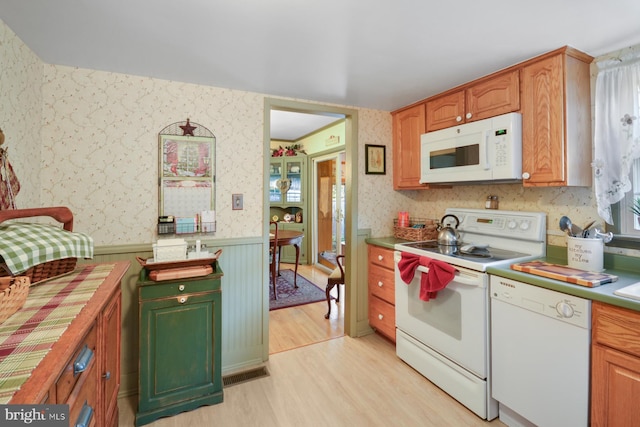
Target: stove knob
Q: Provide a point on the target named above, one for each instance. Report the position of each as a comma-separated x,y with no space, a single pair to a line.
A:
524,225
512,224
565,310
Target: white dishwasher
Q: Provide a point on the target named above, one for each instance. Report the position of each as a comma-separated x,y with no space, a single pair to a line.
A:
540,346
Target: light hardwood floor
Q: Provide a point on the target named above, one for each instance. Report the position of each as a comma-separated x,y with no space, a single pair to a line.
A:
295,327
319,377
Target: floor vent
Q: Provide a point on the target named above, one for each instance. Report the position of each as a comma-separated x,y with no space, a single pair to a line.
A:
245,376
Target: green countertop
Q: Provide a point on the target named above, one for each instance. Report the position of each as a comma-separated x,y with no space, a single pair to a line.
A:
626,268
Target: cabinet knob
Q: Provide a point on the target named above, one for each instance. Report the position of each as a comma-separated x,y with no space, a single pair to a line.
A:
526,175
182,300
107,375
380,284
380,257
380,316
459,119
469,115
181,288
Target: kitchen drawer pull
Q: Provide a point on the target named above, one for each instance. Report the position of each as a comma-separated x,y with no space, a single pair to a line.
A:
380,316
380,283
182,300
107,375
86,413
82,361
380,257
181,288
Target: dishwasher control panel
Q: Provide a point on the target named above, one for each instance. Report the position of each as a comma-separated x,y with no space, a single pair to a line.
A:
546,302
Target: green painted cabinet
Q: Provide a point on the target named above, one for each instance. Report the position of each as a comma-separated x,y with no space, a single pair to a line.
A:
179,346
288,253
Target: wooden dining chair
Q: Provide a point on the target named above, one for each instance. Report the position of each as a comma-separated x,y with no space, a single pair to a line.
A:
335,278
273,255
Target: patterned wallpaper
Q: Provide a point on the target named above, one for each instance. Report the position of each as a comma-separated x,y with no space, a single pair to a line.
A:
96,134
21,113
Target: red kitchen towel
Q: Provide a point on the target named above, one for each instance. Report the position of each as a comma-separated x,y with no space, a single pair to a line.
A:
439,275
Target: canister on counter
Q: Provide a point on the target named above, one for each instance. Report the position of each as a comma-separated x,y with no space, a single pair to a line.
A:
403,219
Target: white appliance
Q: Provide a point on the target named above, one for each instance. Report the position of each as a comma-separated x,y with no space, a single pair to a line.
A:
446,339
540,355
486,150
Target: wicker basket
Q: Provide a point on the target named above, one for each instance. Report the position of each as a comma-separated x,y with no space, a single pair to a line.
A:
12,298
45,270
414,234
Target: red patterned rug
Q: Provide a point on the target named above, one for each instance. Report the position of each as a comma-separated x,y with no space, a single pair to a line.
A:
288,296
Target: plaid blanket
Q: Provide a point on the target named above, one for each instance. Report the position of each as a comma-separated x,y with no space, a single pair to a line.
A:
28,335
23,245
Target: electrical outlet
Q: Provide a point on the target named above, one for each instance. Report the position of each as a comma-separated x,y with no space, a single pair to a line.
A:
236,201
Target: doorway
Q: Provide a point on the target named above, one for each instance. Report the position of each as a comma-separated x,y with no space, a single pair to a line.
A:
330,205
350,198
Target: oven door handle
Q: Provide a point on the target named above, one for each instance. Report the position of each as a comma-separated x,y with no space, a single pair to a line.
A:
461,278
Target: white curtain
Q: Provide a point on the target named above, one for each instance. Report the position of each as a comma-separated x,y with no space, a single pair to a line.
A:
617,129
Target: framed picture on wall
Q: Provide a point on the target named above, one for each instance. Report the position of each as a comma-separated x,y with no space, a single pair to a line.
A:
375,159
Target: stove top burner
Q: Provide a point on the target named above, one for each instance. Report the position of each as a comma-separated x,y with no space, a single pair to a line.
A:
478,254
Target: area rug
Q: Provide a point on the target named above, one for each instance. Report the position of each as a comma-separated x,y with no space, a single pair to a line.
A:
288,296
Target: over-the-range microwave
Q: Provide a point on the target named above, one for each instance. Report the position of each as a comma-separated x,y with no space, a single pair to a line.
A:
481,151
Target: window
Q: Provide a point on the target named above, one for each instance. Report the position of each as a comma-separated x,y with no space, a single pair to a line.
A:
630,222
617,143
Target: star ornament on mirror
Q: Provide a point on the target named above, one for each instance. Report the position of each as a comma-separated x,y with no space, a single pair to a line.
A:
188,129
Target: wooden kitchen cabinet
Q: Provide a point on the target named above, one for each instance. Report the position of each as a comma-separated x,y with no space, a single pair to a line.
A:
487,97
556,120
93,336
180,333
109,330
615,366
381,283
408,125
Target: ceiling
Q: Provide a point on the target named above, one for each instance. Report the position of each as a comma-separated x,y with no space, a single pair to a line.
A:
372,54
292,125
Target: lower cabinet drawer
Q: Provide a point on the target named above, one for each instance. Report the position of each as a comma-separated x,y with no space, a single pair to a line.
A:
616,327
381,283
382,317
82,402
381,256
70,376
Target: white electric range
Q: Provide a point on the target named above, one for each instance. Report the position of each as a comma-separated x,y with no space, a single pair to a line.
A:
446,339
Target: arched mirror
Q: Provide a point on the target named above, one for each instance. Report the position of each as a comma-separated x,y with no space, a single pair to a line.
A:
186,179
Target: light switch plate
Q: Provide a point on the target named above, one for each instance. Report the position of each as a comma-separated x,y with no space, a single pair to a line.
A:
236,201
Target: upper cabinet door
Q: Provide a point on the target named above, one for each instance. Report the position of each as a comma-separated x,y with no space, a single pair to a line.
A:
294,169
489,97
408,125
492,97
543,152
556,121
445,111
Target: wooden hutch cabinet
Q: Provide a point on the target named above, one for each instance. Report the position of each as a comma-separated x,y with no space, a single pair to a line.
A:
82,368
288,187
180,333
